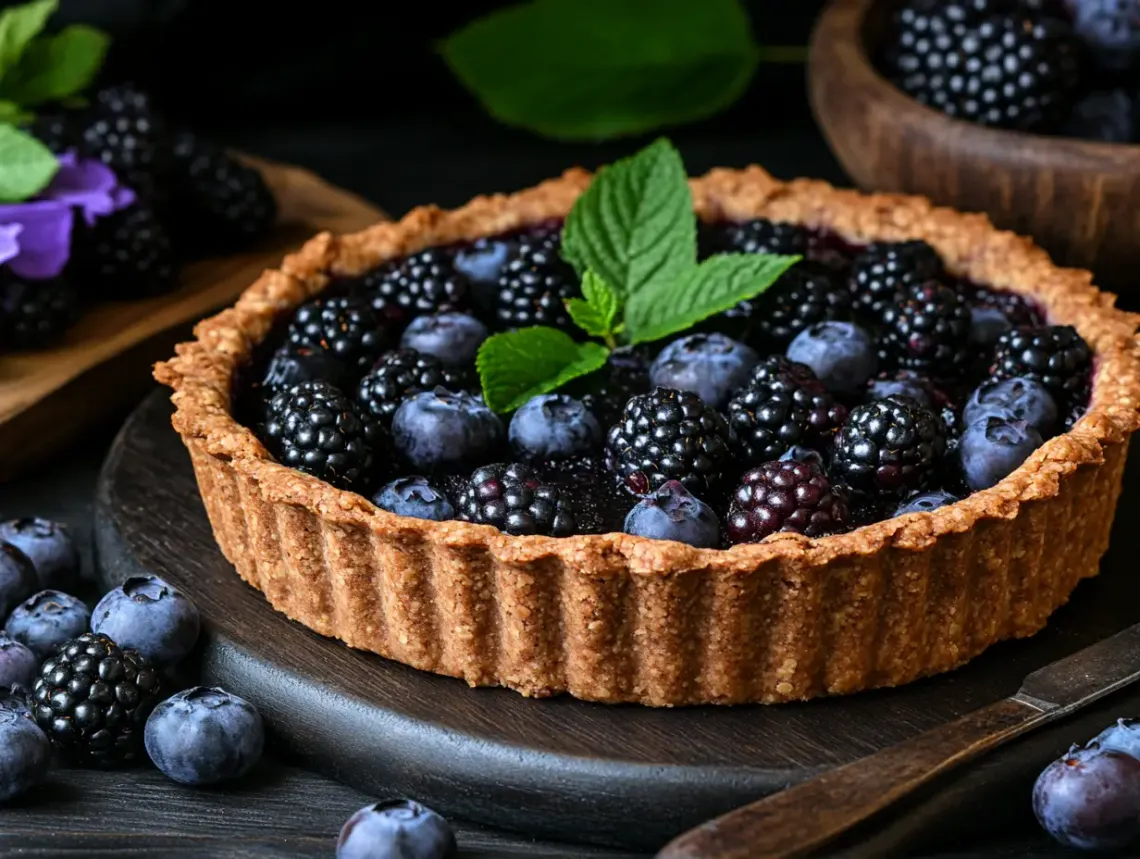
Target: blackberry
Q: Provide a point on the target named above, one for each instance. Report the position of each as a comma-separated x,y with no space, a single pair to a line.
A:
92,699
35,313
758,236
784,496
127,254
668,435
535,283
891,447
344,325
803,296
314,428
425,282
514,500
778,367
883,272
1016,308
927,330
127,134
769,417
398,375
221,203
1056,356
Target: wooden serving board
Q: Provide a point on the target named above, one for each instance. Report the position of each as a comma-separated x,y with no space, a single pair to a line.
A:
51,397
623,776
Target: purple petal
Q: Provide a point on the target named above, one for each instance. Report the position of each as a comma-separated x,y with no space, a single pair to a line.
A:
9,247
45,238
88,184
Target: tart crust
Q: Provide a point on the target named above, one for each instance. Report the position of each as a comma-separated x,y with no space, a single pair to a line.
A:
618,618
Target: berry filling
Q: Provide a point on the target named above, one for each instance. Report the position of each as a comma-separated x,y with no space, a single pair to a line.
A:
866,383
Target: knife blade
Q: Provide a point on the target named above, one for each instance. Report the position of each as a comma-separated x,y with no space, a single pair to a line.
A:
802,819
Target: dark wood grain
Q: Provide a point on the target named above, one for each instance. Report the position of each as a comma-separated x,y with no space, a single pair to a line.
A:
559,768
1077,198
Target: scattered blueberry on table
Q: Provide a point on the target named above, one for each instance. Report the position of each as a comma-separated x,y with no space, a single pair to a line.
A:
45,621
204,736
397,829
150,616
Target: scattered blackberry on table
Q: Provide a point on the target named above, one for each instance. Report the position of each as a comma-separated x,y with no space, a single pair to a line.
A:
293,363
396,829
453,338
993,447
416,497
48,545
127,254
1088,798
25,754
890,447
553,426
674,513
18,664
439,430
92,699
1057,356
344,325
770,416
535,283
35,313
1110,116
1025,399
315,428
204,735
883,272
841,354
924,502
803,296
46,620
668,435
513,499
758,236
18,579
712,366
784,496
1111,28
151,616
397,376
220,202
126,133
927,329
424,282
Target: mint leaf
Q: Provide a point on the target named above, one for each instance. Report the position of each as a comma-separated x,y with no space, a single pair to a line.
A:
596,311
634,225
26,165
18,26
55,67
714,286
597,69
517,365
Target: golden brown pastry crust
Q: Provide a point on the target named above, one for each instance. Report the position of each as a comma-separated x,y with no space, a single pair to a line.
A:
620,618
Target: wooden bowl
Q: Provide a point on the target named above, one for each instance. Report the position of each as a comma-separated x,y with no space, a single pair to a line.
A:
1079,199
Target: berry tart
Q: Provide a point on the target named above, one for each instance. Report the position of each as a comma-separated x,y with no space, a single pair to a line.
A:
575,440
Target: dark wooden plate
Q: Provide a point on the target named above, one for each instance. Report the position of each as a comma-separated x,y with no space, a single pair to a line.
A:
1077,198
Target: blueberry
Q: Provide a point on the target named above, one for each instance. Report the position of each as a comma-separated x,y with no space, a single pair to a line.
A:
14,699
553,426
18,665
987,324
1111,28
880,389
398,829
1123,736
924,502
1090,798
204,735
799,453
483,260
672,513
18,579
1026,399
148,615
24,754
453,338
995,446
441,429
841,353
49,546
712,366
1110,116
414,496
46,620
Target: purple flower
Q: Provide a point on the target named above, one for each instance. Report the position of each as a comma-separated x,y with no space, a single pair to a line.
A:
35,236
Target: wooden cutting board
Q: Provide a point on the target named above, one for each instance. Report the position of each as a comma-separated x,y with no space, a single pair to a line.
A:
51,397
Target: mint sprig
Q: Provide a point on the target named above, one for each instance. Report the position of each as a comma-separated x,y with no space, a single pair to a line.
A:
56,67
632,236
18,26
26,165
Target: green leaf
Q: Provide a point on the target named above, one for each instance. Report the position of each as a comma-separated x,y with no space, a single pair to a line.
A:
596,311
56,67
13,114
517,365
718,284
18,26
634,225
597,69
26,165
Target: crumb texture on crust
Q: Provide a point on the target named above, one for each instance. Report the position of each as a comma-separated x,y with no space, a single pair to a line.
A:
617,618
